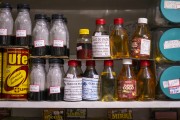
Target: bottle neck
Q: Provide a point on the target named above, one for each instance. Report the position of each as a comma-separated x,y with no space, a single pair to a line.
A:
6,11
57,21
100,28
108,68
117,26
127,70
90,67
25,11
41,22
54,65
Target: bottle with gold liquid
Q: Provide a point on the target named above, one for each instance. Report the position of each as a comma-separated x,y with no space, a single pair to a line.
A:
119,40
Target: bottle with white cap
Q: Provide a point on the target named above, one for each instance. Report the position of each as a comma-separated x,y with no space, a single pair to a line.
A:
141,40
127,82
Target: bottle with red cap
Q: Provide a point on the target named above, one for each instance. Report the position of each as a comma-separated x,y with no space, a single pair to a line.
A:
91,82
100,41
72,83
146,82
109,82
119,40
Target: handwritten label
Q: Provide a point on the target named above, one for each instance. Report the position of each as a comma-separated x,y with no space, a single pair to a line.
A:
3,31
171,4
34,88
54,90
20,33
145,46
171,44
174,90
79,48
172,83
58,43
39,43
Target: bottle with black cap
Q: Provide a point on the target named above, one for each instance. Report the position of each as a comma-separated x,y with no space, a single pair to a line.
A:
54,78
23,25
37,80
58,38
6,24
40,36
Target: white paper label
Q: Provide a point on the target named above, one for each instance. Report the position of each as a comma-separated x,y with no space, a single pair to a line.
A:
79,48
54,90
165,84
3,31
58,43
171,4
98,34
174,90
95,76
171,44
101,46
70,75
172,83
72,89
20,33
145,46
39,43
34,88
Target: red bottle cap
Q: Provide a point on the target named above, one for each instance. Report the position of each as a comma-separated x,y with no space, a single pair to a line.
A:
90,63
72,63
118,21
145,63
108,63
100,21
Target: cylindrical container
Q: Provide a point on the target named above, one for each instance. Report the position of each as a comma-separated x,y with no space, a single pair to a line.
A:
15,73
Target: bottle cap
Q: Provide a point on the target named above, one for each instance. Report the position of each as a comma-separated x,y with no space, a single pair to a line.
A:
23,6
127,61
143,20
5,5
145,63
108,63
38,60
54,60
100,21
57,16
90,63
72,63
84,31
118,21
40,16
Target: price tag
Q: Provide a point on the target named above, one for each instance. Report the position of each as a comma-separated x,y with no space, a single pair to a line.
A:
165,84
98,34
70,75
34,88
79,48
170,44
174,90
54,89
39,43
96,76
58,43
3,31
174,82
21,33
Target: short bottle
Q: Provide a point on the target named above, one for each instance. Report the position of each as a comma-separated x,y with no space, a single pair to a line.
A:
119,40
37,80
23,25
90,83
108,82
84,45
146,82
127,82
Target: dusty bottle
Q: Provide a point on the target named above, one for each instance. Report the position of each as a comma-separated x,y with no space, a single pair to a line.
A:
90,82
37,80
146,82
6,24
127,82
119,40
100,40
109,82
84,45
54,78
141,40
23,26
72,83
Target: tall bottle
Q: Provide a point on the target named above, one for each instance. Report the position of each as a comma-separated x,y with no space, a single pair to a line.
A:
23,26
91,82
6,24
54,78
100,40
67,52
146,82
109,82
58,36
72,83
119,40
40,36
37,80
141,40
127,82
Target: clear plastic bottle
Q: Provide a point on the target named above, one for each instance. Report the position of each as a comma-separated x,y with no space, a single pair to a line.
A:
37,80
40,36
6,24
119,40
23,25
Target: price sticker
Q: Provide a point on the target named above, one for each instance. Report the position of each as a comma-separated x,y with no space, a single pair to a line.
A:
34,88
3,31
58,43
21,33
54,89
39,43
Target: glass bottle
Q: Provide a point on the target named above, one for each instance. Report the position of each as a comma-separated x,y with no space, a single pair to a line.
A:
54,78
141,40
119,40
146,82
109,82
40,36
90,82
6,24
37,80
84,45
58,36
67,52
127,82
100,41
23,26
72,83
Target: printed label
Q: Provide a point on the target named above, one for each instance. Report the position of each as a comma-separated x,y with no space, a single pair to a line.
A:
171,44
171,4
101,46
34,88
72,89
55,89
20,33
79,48
39,43
91,89
172,83
98,34
165,84
145,46
174,90
58,43
3,31
70,75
